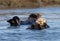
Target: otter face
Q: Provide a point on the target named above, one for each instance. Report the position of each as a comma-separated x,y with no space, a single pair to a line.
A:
11,21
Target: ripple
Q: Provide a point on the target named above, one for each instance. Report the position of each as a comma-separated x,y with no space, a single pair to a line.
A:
52,15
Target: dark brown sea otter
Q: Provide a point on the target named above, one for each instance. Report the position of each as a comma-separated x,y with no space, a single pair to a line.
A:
15,21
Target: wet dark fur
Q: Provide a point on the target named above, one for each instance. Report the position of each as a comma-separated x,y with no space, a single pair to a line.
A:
13,19
39,27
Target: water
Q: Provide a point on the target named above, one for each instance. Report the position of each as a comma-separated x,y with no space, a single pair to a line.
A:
51,14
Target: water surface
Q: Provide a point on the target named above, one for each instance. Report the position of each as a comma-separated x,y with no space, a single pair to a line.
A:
51,14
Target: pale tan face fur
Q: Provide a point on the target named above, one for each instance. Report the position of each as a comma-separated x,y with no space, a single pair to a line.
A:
40,21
